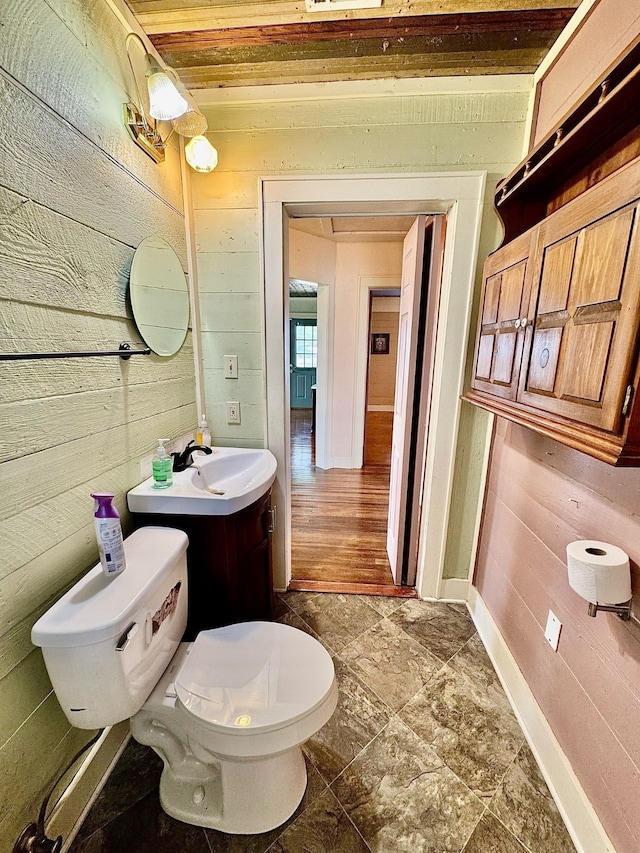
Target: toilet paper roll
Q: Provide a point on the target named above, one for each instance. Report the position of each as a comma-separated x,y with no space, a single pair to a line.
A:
599,572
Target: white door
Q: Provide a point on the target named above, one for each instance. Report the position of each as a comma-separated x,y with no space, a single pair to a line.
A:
412,263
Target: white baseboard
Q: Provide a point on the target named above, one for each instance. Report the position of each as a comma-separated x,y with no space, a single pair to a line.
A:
340,462
583,824
87,783
453,589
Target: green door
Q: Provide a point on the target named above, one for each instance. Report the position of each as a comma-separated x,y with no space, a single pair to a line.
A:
304,357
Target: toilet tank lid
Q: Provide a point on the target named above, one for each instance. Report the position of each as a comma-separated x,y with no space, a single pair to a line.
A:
98,607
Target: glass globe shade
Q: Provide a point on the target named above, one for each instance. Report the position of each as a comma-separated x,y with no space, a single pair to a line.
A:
201,155
165,102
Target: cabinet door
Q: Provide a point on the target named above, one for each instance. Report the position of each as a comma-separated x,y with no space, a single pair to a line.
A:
580,354
500,337
252,581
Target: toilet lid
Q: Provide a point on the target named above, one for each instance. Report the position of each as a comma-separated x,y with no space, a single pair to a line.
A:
257,675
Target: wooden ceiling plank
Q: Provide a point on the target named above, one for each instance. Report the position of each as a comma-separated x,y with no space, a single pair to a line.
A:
548,21
367,68
497,45
167,16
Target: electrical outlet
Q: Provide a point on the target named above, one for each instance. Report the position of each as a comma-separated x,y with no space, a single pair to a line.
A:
233,413
230,366
552,631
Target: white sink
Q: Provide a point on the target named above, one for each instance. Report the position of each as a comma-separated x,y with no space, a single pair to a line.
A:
227,480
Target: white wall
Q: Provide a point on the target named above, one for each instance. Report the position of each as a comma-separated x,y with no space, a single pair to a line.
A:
353,262
311,258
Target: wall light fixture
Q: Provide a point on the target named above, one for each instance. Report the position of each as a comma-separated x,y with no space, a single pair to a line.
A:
200,154
168,101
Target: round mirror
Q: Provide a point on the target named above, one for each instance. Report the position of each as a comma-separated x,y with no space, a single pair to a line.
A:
159,296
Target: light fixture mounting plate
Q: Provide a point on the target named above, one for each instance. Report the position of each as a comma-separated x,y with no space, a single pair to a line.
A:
143,134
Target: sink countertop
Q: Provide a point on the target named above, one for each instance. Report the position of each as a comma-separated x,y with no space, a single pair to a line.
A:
242,475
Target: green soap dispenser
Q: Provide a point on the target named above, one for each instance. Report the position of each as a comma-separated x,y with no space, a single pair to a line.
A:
162,467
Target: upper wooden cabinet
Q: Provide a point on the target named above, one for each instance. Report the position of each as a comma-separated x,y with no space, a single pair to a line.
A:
559,320
558,329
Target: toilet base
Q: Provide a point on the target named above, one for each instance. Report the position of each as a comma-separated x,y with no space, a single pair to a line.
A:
239,797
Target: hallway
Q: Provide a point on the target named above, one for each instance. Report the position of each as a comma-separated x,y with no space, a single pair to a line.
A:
339,516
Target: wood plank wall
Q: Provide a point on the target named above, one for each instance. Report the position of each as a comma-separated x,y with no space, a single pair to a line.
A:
76,197
541,496
384,132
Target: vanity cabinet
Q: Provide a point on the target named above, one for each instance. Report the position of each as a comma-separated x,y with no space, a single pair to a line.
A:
558,330
229,564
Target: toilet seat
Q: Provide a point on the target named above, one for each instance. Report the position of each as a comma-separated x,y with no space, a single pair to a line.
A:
254,677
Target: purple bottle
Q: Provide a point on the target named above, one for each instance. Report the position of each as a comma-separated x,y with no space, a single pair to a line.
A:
108,534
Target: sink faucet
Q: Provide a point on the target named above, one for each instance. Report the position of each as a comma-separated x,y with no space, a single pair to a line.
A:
182,460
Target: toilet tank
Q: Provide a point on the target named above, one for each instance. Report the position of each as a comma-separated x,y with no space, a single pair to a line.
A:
108,640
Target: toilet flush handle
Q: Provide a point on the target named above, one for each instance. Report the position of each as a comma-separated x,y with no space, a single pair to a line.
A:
126,638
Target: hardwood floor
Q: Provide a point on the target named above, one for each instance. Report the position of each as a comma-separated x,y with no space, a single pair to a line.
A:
339,516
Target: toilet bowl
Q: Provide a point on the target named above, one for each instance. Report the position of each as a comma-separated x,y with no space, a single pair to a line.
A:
229,717
228,714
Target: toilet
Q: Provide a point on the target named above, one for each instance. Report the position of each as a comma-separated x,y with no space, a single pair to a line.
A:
228,714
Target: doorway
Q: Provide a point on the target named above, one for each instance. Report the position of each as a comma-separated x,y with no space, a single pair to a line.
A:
339,520
458,195
340,502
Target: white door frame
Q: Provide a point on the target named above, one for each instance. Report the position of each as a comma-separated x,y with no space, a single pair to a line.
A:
324,396
458,194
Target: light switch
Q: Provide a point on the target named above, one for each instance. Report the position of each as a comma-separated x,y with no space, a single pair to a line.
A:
552,631
230,366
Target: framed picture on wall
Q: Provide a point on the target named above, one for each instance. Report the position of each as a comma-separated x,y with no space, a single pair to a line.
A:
380,343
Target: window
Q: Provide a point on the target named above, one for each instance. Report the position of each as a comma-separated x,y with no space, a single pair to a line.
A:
305,345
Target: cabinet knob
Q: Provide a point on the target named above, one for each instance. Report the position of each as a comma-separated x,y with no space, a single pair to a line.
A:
517,323
525,322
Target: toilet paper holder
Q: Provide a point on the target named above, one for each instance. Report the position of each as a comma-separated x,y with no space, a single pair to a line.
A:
599,571
623,610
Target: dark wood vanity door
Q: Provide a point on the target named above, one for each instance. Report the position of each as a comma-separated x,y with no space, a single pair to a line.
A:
251,582
581,352
228,562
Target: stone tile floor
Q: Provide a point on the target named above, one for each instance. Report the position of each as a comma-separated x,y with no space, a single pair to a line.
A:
423,753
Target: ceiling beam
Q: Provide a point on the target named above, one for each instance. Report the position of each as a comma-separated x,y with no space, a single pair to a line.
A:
381,67
514,23
169,16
